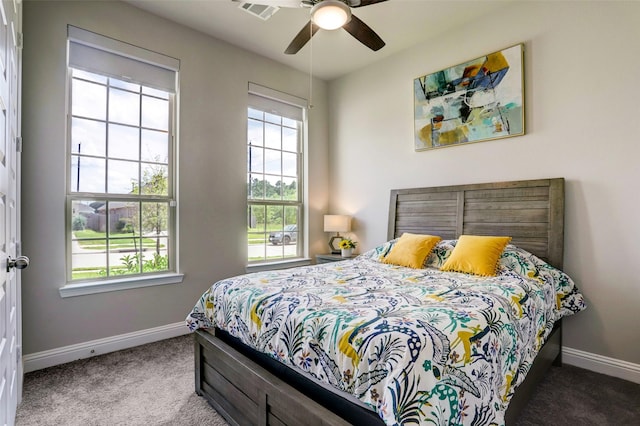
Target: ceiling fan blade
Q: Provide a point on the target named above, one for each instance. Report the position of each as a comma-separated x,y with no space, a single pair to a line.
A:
275,3
366,2
302,38
363,33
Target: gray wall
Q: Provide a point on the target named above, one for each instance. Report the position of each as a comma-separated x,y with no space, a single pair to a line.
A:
581,118
212,167
582,121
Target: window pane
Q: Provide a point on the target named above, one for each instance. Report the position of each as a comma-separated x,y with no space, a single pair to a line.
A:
155,92
291,218
89,259
124,256
132,224
256,246
87,221
124,107
292,231
155,257
257,237
124,220
273,187
254,113
272,136
256,187
155,113
88,243
155,220
89,76
123,142
124,85
290,189
155,179
125,243
289,164
274,218
272,118
289,139
89,100
289,122
88,137
123,177
155,146
87,174
256,159
275,251
255,134
273,161
256,218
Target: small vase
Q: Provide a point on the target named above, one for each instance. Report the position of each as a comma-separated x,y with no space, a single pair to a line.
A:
347,252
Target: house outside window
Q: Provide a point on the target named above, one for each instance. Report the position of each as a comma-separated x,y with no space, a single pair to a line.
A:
275,170
121,191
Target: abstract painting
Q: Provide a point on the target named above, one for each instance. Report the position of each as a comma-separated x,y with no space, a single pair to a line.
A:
478,100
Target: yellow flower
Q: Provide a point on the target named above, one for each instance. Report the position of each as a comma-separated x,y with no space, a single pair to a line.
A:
347,243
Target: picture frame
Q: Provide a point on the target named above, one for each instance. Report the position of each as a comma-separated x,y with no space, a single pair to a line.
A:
475,101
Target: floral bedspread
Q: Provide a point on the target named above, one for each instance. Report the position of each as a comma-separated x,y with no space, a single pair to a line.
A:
416,345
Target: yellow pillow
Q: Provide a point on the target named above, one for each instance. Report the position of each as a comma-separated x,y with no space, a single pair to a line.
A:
411,250
476,255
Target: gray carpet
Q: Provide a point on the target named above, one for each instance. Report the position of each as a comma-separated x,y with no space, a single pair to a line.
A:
148,385
570,396
153,385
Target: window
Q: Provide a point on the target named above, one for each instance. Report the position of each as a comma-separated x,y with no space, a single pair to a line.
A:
121,187
274,181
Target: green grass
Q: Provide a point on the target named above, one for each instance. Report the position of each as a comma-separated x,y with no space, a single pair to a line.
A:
84,275
89,272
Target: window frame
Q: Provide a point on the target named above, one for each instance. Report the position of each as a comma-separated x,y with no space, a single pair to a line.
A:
301,256
76,287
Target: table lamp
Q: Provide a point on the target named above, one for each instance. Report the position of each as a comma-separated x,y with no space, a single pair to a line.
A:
336,223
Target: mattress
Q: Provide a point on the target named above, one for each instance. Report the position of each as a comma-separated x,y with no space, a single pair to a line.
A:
413,345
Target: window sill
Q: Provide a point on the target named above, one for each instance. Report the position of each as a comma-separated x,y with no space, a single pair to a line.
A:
81,289
284,264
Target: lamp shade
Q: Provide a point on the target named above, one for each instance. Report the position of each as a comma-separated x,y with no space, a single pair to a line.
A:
337,223
330,14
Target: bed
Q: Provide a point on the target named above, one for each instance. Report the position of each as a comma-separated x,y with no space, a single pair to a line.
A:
366,342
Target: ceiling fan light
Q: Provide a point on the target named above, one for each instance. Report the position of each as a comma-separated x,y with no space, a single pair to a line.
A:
330,14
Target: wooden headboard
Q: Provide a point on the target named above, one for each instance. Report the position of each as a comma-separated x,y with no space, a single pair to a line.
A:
529,211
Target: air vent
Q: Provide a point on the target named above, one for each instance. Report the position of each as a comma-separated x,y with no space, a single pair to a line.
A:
262,11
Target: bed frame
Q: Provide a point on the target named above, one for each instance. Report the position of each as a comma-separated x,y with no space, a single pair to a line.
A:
249,388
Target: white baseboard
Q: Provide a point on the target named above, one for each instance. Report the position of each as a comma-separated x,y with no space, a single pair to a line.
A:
44,359
601,364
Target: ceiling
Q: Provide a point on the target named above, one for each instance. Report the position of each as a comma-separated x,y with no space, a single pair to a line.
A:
400,23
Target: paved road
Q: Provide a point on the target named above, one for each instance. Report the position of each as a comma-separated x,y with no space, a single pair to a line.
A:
258,250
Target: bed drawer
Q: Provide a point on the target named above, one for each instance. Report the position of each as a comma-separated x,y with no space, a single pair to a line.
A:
244,393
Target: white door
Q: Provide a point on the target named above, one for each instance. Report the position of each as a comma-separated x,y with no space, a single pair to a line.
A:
10,260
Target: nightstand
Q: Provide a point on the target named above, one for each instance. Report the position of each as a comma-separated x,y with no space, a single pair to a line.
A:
327,258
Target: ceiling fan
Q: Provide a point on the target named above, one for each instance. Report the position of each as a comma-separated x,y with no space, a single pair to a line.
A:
330,15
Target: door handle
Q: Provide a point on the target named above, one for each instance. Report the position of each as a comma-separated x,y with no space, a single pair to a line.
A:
20,262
